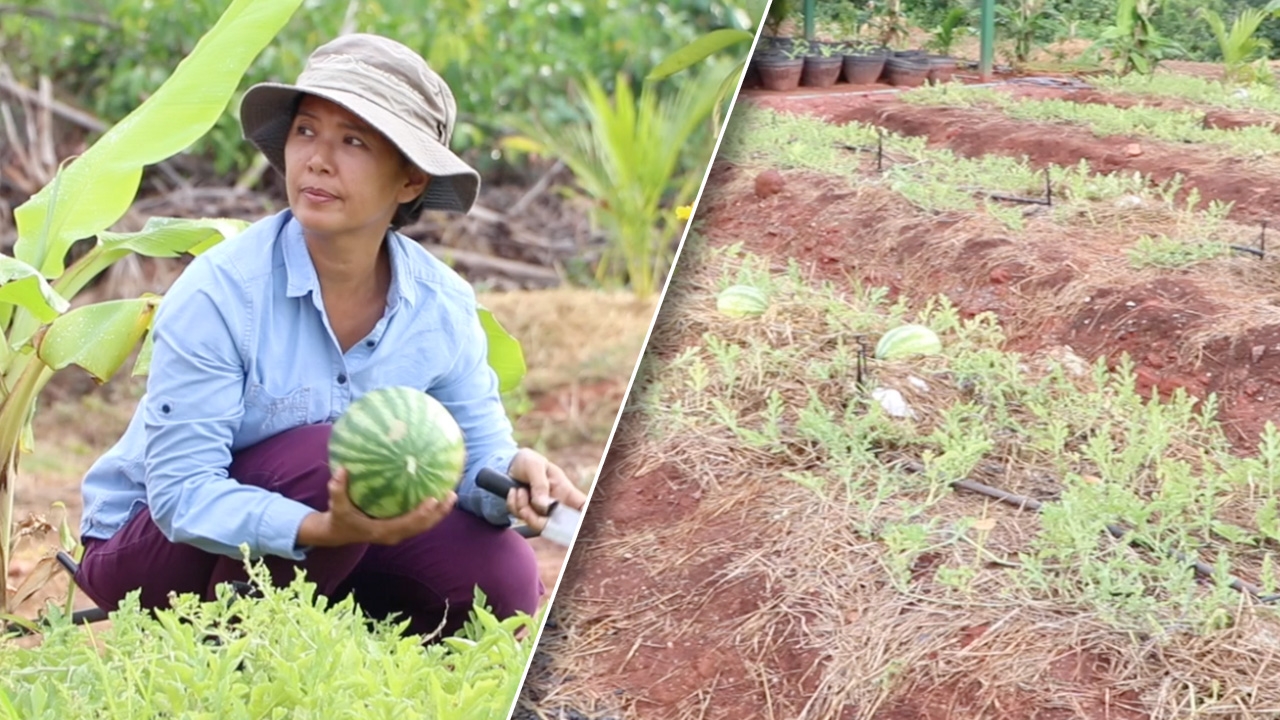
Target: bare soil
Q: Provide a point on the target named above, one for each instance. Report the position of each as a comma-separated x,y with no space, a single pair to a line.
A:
1252,184
651,622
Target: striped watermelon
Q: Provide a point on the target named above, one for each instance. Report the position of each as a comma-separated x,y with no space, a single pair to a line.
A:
740,301
906,340
400,446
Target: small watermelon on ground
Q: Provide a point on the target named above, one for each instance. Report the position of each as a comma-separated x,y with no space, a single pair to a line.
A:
907,340
741,301
399,446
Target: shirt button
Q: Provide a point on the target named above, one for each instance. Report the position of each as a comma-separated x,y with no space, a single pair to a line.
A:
368,343
342,379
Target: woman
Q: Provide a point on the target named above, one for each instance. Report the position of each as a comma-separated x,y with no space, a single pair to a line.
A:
268,337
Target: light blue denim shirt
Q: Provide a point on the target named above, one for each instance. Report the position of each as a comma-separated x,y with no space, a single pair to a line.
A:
243,351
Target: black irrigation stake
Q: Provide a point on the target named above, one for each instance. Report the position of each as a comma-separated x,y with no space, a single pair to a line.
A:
879,149
1261,250
861,368
1048,188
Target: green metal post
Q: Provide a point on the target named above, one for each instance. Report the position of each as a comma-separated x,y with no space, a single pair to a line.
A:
808,19
988,39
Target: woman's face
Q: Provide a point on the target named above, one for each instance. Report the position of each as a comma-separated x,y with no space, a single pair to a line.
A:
344,178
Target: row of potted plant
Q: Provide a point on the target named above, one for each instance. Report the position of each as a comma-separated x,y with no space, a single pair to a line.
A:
786,63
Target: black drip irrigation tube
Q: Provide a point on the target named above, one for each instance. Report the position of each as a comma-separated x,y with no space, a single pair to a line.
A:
1261,250
1046,201
1022,502
87,616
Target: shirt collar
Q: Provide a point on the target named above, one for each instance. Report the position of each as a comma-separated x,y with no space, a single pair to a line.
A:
403,286
300,272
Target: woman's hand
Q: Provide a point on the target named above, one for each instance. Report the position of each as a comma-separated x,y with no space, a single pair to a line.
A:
345,524
546,482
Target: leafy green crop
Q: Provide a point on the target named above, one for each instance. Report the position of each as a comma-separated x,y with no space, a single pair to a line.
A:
1161,468
938,179
1164,252
1195,89
1181,126
288,654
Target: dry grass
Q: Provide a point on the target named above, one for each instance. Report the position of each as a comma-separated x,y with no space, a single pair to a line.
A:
827,581
581,348
828,585
573,335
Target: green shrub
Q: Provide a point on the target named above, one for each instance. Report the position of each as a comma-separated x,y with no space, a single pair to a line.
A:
500,58
289,654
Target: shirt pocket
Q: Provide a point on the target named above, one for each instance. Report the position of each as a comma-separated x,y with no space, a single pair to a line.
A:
267,413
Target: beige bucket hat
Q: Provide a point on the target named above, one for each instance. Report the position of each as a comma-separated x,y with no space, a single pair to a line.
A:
387,85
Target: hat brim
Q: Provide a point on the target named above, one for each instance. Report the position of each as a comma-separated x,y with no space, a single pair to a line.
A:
266,115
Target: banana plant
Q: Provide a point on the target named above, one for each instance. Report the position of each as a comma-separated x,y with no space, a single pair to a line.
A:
89,194
1026,22
1133,42
701,49
42,333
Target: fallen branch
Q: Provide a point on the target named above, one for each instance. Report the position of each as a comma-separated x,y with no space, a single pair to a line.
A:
220,201
537,274
520,233
51,15
79,117
26,94
537,189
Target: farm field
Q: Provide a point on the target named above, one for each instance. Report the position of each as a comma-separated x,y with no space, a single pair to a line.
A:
769,540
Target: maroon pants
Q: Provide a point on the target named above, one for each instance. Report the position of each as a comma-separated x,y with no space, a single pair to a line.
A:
428,579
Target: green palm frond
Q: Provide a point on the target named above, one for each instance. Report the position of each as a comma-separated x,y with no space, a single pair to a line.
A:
627,157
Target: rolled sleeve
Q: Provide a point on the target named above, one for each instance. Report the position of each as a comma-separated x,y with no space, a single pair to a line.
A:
192,410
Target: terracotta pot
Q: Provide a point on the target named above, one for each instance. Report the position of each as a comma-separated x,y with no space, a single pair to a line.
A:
863,69
780,73
821,71
906,72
